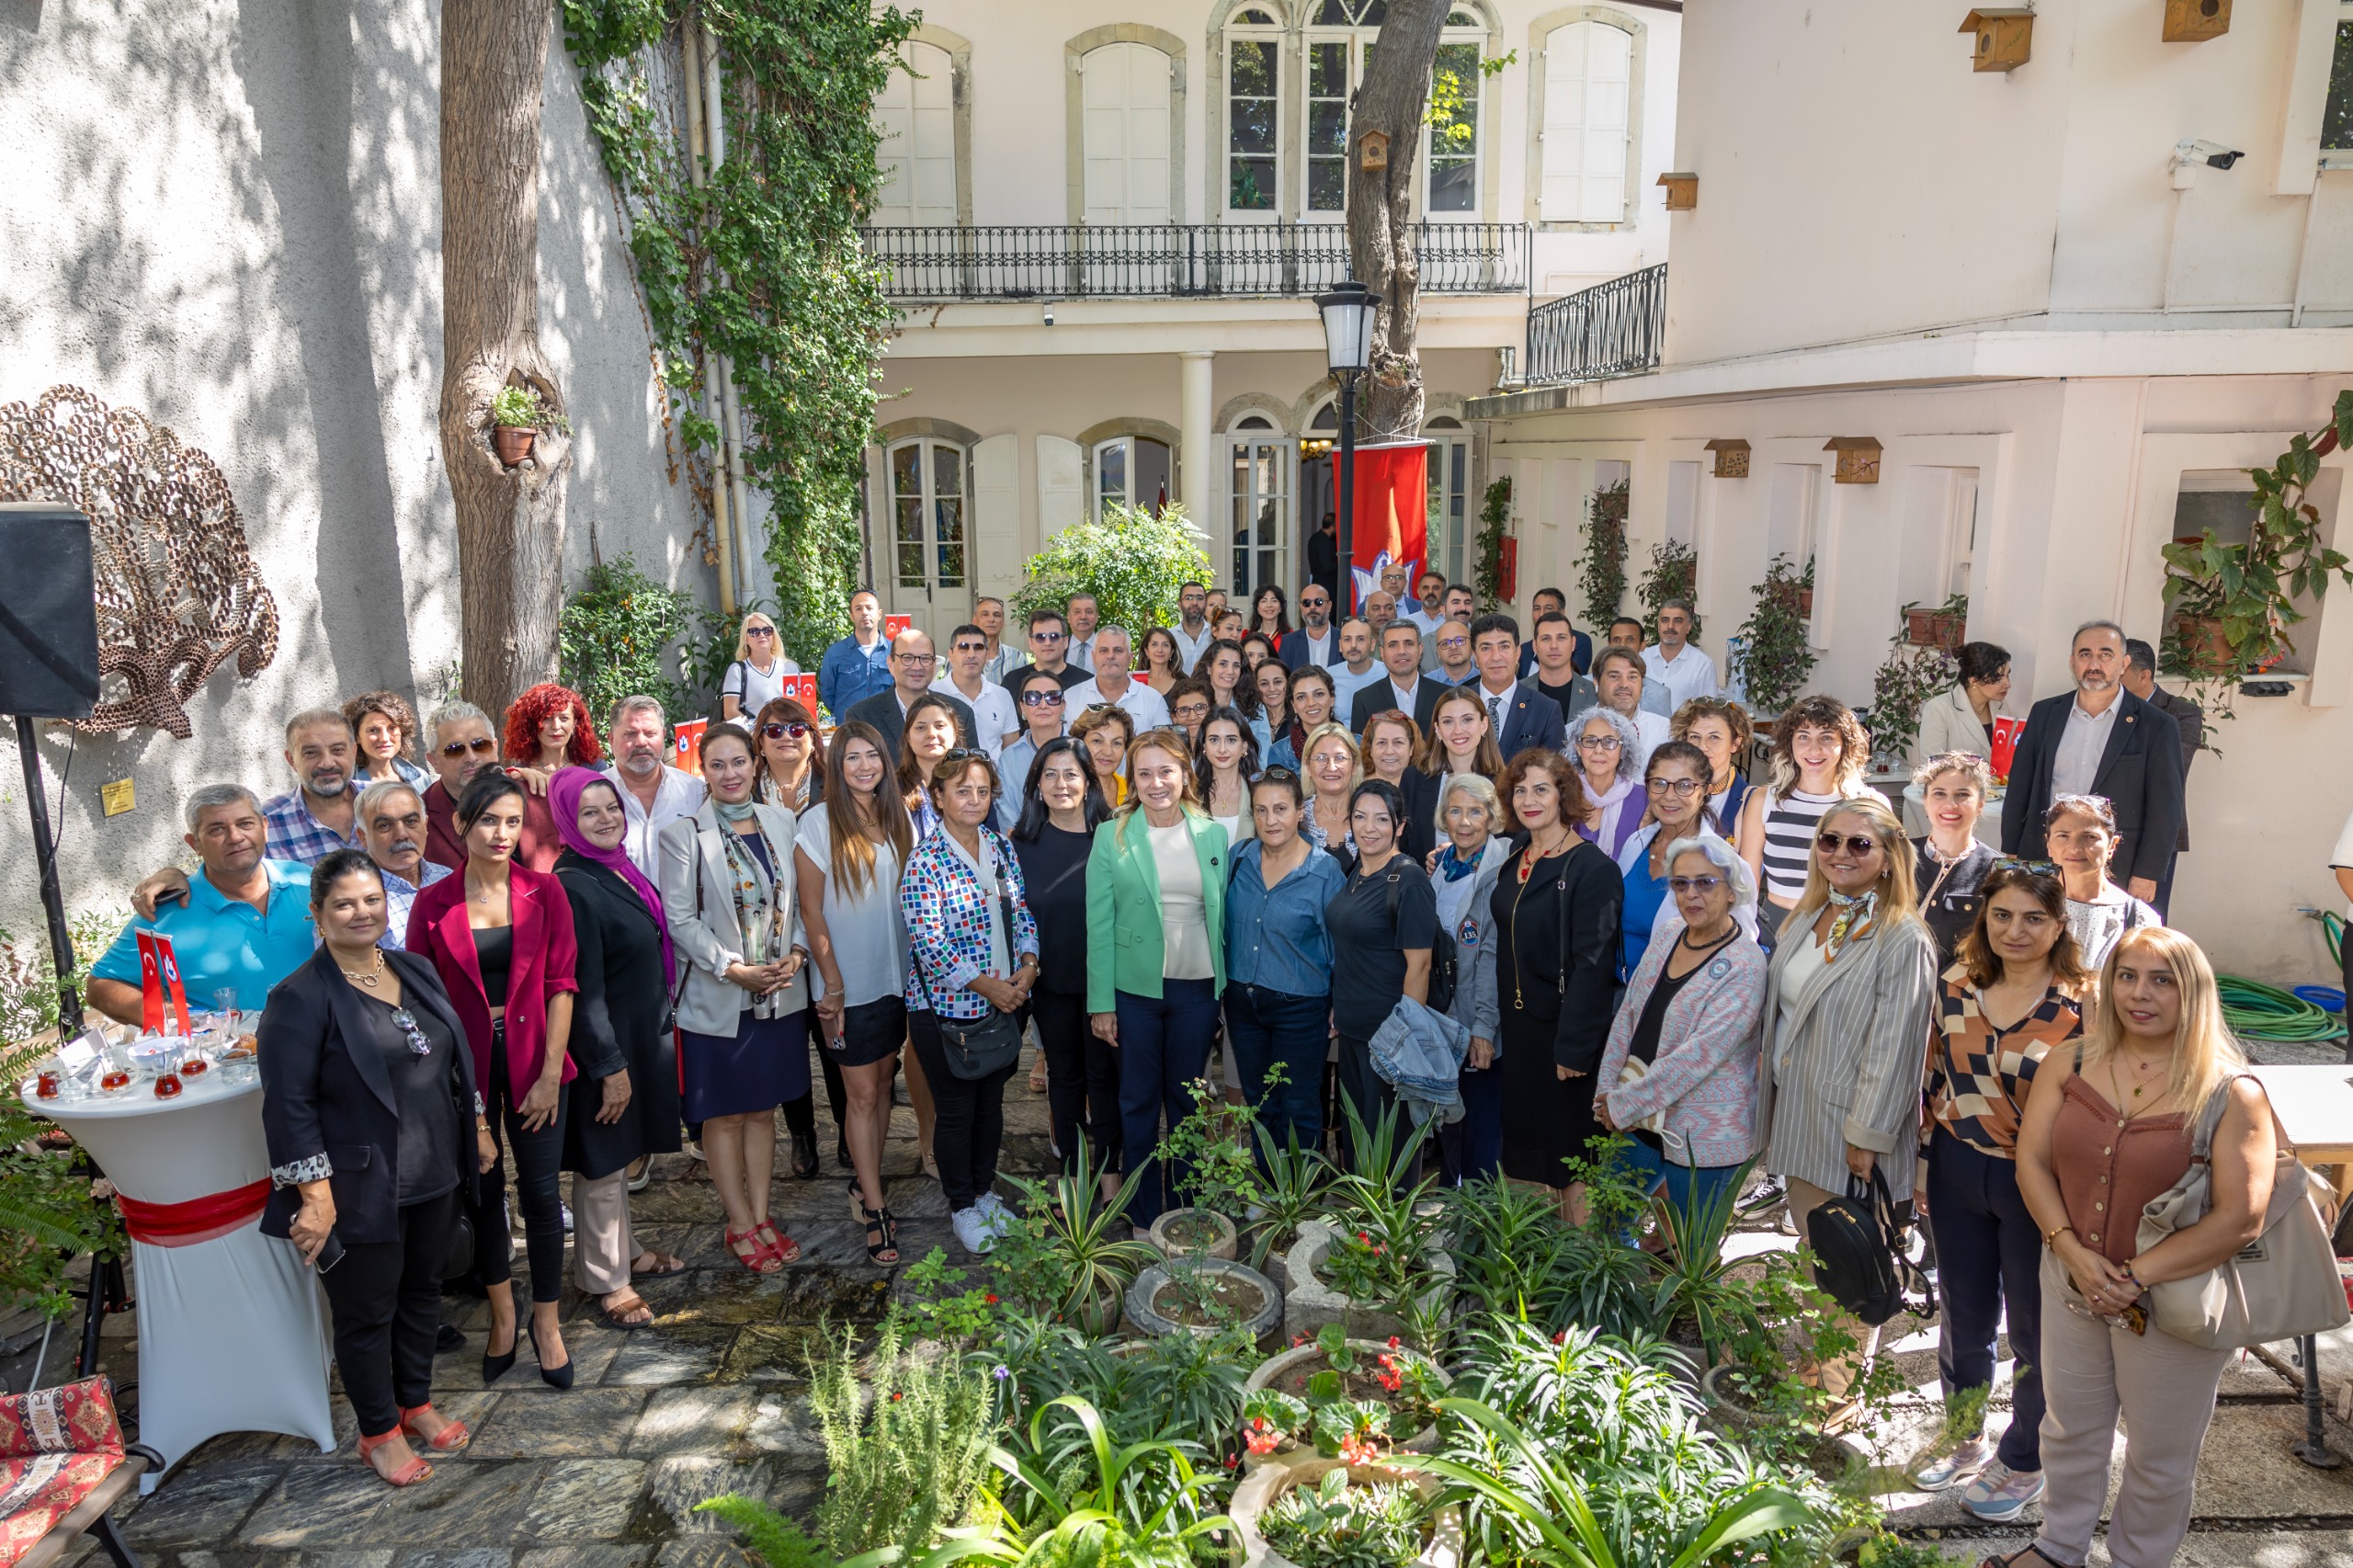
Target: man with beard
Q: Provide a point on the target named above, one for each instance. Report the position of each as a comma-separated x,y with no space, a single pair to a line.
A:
1315,642
654,793
392,824
315,818
462,743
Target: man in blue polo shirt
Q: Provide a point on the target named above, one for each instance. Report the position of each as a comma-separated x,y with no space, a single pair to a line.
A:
858,666
247,923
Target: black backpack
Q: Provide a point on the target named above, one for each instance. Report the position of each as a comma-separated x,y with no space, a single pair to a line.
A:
1860,1262
1442,965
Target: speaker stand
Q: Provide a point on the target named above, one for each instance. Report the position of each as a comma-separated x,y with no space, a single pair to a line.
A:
61,942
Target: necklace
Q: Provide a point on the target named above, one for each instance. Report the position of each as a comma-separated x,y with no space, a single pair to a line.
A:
1528,859
370,978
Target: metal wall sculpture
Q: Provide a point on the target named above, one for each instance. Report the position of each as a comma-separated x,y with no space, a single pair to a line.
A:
177,592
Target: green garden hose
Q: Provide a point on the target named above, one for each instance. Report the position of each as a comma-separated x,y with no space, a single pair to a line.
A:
2256,1011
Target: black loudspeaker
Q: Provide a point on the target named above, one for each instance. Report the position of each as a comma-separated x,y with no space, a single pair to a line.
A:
49,612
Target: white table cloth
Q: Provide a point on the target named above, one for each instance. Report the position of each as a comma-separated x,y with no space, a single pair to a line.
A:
1916,817
232,1331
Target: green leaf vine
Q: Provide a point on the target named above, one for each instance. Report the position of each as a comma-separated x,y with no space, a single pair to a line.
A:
762,262
1602,572
1495,526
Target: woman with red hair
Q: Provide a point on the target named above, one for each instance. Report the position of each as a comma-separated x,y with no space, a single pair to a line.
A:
549,727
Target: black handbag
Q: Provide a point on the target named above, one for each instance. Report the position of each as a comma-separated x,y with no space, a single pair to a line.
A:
1860,1261
976,1048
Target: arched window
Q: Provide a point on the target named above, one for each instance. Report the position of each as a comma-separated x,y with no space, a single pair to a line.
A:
1253,111
1124,93
1456,143
930,492
1339,38
915,115
1133,470
1587,128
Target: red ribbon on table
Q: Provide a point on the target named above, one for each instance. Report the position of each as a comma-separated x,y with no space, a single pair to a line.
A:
197,1220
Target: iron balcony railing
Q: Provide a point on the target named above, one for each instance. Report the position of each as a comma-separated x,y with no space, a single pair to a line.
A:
1610,329
1174,261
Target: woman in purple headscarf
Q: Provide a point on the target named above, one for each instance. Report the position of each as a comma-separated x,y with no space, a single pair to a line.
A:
626,1098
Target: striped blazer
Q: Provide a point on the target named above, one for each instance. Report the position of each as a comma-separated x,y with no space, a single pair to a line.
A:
1847,1066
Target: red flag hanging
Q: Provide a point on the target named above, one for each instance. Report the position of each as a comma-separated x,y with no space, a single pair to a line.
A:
1389,518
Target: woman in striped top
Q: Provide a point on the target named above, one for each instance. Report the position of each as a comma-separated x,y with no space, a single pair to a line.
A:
1820,753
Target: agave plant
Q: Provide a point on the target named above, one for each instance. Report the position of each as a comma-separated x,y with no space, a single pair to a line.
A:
1695,1281
1075,1244
1292,1187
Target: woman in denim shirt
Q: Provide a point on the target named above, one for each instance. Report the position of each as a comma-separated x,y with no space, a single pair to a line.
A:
1279,961
961,887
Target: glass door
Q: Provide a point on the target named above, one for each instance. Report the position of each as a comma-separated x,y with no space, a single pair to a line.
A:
930,516
1448,544
1259,516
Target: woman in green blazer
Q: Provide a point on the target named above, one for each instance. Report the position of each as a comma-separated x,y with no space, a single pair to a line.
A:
1155,951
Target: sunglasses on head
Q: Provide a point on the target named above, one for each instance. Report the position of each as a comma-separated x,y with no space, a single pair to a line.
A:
2030,868
782,730
1278,773
966,754
1855,843
481,746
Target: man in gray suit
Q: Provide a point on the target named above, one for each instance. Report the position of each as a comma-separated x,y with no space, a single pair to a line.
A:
2140,680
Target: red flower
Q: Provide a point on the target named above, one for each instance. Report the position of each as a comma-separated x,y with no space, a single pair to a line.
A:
1561,1337
1394,1342
1230,1461
1364,1236
992,1301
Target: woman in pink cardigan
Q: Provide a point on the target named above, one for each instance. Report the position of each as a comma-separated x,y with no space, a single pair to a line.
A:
1679,1073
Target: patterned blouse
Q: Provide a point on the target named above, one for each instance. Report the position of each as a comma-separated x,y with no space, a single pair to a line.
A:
949,915
1978,1076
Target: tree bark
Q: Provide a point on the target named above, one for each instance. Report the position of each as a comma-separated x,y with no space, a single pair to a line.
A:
1392,99
510,520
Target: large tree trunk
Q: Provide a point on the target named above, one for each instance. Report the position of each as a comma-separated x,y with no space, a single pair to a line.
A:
510,521
1393,98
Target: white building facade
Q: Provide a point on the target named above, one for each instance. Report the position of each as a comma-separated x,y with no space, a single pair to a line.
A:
2067,328
1105,227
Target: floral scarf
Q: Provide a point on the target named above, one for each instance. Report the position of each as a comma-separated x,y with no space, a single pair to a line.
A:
1854,910
756,913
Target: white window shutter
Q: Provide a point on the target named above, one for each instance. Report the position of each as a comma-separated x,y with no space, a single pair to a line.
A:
996,514
916,116
1123,97
1589,91
1062,492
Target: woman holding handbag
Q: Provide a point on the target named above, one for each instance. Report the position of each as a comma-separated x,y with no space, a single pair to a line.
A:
974,948
2109,1130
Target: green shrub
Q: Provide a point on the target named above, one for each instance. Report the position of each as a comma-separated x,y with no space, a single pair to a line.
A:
619,636
905,1460
1336,1525
1132,562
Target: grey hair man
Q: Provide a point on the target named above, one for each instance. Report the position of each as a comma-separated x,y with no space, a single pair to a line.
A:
1114,683
1680,669
654,792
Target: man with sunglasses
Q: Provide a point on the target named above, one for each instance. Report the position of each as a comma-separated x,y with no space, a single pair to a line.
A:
1049,650
654,792
462,743
913,668
967,680
1315,642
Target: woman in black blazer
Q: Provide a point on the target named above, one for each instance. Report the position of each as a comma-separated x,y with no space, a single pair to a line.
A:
374,1127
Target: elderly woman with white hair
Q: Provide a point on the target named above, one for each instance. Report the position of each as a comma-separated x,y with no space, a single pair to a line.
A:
1679,1072
1607,751
1464,872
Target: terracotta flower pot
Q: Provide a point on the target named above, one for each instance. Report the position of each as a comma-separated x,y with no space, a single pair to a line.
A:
2203,640
1932,628
513,443
1805,603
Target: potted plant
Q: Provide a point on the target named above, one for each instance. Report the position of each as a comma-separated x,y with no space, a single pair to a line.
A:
1773,656
517,415
1285,1399
1380,1270
1495,571
1070,1256
1674,575
1204,1295
1212,1149
1912,674
1938,628
1602,572
1340,1514
1292,1190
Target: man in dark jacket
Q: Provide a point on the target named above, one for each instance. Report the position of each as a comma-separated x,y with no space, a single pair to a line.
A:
913,668
2099,739
2140,680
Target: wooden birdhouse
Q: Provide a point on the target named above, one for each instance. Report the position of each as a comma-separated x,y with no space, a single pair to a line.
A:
1372,151
1732,457
1682,191
2005,35
1858,460
2195,21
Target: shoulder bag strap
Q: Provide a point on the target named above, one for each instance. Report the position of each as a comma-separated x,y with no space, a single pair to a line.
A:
2201,1136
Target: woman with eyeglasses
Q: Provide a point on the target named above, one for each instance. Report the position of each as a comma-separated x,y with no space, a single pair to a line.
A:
1464,870
500,935
1819,757
1679,1074
756,677
931,733
1278,963
847,852
732,896
1720,729
375,1138
1270,684
1106,730
626,1098
1391,742
1222,774
2015,995
383,727
1061,805
790,774
1851,994
1037,698
975,947
1557,907
1161,658
1383,922
2080,832
1222,668
1308,702
1334,771
1603,743
1676,779
547,727
1951,860
1270,614
1156,952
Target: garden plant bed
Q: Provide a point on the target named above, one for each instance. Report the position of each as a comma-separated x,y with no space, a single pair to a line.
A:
1236,1296
1230,1298
1293,1370
1442,1545
1311,1302
1194,1232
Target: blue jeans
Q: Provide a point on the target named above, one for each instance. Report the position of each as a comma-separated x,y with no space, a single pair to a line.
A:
1266,1027
1164,1046
1473,1147
1679,1180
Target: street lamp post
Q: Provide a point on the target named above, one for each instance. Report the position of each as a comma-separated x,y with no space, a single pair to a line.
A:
1347,312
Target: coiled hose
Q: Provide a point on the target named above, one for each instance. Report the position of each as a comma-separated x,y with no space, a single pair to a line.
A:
2256,1011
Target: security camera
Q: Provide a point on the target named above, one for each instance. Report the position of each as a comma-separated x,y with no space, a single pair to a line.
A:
1049,304
2213,155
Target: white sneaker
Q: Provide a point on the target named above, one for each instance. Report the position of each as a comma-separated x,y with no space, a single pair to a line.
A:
1955,1464
973,1229
1001,1221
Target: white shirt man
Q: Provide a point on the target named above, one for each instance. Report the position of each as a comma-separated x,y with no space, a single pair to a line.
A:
992,711
1356,670
653,794
1193,631
1113,683
1083,615
988,613
1680,669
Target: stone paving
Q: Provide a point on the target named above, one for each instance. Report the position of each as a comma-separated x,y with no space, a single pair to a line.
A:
710,1398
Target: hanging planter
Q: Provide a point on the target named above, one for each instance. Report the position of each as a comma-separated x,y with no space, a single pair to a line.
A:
517,415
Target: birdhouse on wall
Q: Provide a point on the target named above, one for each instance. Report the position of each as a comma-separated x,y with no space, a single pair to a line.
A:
2005,35
1858,460
1682,191
1732,457
2195,21
1372,151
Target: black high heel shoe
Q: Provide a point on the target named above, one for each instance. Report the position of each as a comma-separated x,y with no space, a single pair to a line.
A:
554,1377
496,1367
804,1155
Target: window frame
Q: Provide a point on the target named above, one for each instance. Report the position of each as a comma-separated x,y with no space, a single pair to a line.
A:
1126,440
958,50
2340,40
1482,119
1539,35
932,578
1276,35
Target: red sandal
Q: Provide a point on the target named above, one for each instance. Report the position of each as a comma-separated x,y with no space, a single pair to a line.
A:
409,1474
781,1247
449,1440
758,1260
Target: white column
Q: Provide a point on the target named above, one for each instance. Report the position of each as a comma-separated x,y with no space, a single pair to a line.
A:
1196,411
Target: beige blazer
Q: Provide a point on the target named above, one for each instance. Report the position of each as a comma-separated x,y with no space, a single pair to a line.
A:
698,901
1948,723
1847,1067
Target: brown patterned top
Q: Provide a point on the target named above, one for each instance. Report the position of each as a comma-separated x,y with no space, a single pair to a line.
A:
1978,1074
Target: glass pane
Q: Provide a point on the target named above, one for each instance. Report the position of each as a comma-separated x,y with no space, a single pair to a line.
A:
2337,116
1327,127
1152,488
1327,186
1454,185
1333,14
1253,186
951,516
906,470
1373,13
1327,70
948,470
1326,418
1111,472
1253,125
1253,71
908,512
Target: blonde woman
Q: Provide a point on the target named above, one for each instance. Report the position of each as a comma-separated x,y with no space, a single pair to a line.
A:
1820,755
756,677
1850,997
2103,1135
1155,952
1335,769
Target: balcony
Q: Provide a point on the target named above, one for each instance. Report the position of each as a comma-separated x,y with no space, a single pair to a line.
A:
1611,329
1174,261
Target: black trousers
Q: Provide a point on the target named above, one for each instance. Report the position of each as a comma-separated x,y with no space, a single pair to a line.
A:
539,1161
967,1125
800,1114
385,1299
1082,1080
1989,1258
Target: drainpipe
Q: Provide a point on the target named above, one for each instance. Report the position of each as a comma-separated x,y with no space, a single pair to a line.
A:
715,128
697,148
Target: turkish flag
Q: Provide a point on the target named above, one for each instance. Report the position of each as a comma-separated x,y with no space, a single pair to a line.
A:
1389,518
